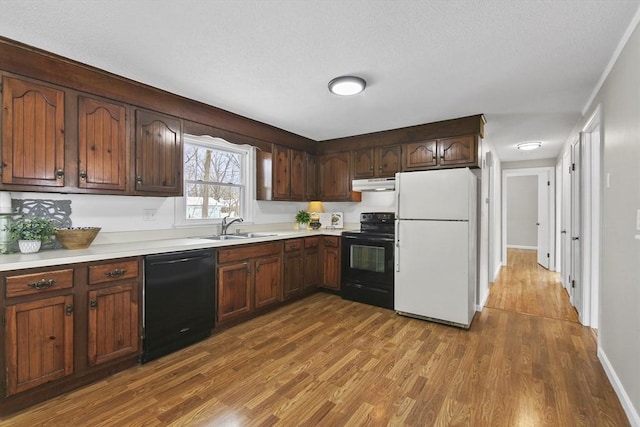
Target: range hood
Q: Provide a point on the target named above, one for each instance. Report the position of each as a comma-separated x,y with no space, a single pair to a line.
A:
374,184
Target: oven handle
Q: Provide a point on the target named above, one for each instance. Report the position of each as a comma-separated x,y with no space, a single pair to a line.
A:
370,239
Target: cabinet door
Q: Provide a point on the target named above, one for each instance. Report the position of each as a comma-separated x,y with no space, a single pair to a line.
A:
268,286
234,291
420,155
334,176
39,342
293,273
331,262
389,161
298,169
159,160
102,145
113,323
363,164
32,134
281,173
311,272
458,151
311,190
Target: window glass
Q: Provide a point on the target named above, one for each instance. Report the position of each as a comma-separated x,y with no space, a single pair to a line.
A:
215,176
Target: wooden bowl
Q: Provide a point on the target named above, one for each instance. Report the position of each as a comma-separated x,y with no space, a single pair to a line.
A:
76,237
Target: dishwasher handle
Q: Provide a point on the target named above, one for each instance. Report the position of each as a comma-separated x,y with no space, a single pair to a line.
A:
179,260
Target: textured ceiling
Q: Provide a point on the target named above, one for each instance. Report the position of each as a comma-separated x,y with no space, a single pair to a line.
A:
529,66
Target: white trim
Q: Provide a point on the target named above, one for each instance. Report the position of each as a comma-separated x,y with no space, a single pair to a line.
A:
522,247
548,171
482,303
625,400
496,273
623,42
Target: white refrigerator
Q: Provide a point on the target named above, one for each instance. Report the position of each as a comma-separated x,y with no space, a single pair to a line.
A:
436,251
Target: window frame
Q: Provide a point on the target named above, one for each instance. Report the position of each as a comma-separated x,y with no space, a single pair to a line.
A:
247,190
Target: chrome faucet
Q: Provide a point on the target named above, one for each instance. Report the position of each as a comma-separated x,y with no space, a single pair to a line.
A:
225,224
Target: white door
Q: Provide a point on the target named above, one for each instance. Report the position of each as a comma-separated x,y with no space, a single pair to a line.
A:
576,219
544,221
565,225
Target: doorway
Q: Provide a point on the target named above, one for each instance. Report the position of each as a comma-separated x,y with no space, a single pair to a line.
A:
541,214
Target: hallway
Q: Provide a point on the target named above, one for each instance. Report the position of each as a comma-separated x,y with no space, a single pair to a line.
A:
525,287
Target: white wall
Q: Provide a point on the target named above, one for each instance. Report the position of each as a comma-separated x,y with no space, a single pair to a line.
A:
619,325
522,211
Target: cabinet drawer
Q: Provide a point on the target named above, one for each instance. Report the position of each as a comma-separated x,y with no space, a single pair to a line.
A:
113,271
247,252
332,241
28,284
311,242
293,245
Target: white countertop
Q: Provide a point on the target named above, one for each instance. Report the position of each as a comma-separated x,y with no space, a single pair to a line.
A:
126,249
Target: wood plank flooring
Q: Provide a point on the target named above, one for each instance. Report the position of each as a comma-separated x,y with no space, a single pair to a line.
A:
526,287
324,361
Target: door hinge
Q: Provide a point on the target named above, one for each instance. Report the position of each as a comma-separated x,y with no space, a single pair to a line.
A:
548,256
573,166
573,283
548,183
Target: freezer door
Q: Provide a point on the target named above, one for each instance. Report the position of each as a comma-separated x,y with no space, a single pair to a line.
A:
439,194
432,277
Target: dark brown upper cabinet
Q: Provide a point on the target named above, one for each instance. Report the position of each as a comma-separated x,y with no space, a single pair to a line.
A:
281,174
310,178
334,178
158,149
32,134
379,162
459,151
102,145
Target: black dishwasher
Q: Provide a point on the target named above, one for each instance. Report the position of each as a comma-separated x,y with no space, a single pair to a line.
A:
179,301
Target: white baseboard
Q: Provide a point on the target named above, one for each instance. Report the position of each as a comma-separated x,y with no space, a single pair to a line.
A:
627,405
533,248
483,302
495,273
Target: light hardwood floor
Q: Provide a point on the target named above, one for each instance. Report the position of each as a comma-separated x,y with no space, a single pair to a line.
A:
328,362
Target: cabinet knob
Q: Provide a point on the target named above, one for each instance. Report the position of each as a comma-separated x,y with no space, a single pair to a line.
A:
371,168
139,179
93,303
83,175
59,173
68,310
434,158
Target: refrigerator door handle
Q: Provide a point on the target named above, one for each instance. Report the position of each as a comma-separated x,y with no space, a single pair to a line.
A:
397,201
397,249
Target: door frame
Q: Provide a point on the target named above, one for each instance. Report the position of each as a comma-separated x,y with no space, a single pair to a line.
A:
546,171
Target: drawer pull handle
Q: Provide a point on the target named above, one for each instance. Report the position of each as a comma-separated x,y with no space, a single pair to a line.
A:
116,273
42,284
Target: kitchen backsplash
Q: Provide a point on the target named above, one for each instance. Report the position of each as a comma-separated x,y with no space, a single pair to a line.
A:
125,213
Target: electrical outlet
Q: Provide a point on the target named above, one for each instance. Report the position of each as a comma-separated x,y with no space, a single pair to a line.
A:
149,214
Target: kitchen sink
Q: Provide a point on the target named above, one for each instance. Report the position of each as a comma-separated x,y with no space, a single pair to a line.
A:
224,237
238,236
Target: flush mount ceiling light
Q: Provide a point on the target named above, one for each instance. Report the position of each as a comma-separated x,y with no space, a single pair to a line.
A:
347,85
528,146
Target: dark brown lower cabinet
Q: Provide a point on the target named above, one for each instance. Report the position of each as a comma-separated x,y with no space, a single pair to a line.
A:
249,278
331,262
39,342
66,326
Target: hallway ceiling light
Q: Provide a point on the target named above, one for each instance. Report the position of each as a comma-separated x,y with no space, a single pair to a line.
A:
528,146
347,85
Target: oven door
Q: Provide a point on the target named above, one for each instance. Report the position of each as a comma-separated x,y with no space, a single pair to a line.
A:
368,260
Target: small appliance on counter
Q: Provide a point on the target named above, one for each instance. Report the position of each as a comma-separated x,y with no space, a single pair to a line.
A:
368,259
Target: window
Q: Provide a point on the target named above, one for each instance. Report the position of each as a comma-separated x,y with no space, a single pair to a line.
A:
215,180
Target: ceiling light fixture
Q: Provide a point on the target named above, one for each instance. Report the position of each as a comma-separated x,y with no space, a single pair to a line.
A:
528,146
347,85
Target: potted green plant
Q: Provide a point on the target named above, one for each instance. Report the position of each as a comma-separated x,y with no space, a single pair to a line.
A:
302,217
31,232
